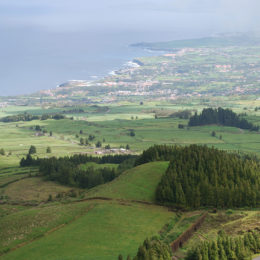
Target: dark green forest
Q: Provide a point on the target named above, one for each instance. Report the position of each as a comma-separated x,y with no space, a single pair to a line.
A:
239,248
200,176
66,170
28,117
220,116
152,249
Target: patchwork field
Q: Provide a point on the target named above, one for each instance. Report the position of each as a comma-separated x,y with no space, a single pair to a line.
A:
70,226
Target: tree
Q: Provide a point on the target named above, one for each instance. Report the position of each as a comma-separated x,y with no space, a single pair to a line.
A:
120,257
50,133
2,151
213,133
127,147
132,133
32,149
50,198
91,137
81,141
180,126
48,150
98,144
107,147
81,132
37,128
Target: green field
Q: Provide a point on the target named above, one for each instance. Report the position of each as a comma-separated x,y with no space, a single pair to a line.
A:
70,226
136,184
102,233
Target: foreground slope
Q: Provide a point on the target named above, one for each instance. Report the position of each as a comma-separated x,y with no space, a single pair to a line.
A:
106,230
138,183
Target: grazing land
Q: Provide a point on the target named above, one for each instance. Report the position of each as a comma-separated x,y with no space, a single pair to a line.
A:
136,184
149,104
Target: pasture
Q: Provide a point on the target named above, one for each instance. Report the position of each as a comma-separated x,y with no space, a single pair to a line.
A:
103,232
67,228
138,183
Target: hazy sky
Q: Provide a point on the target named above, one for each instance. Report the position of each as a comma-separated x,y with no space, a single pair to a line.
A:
46,42
64,15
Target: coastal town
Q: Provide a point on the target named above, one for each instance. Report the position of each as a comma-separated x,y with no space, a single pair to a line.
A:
183,73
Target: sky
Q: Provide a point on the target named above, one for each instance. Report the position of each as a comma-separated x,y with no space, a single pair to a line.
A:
46,42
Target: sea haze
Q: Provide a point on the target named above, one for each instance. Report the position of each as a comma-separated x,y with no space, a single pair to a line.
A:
47,42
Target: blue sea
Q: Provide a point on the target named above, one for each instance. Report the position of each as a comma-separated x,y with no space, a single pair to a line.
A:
45,43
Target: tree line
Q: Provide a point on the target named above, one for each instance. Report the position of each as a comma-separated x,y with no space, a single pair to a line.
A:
201,176
225,117
227,248
66,170
29,117
151,249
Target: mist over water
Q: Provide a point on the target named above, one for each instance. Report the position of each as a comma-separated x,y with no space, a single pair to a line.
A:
44,43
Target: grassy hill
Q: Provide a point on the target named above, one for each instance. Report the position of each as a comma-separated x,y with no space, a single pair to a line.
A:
138,183
87,229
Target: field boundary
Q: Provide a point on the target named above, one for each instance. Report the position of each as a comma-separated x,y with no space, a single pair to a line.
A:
186,235
47,232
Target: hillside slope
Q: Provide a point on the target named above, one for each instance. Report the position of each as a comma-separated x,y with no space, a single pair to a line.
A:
104,232
138,183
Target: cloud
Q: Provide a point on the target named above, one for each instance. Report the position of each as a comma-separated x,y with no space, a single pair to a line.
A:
60,15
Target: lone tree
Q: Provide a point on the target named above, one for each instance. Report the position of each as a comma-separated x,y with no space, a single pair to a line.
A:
2,151
213,133
37,128
127,147
48,150
50,133
81,132
32,149
82,141
132,133
107,147
91,137
98,144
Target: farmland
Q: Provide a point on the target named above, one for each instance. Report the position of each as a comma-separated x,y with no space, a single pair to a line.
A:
122,114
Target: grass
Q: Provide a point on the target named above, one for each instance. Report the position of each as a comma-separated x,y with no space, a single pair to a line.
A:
179,224
33,189
234,223
22,225
110,227
101,234
138,183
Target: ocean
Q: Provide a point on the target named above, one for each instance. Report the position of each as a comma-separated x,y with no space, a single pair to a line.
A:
47,43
